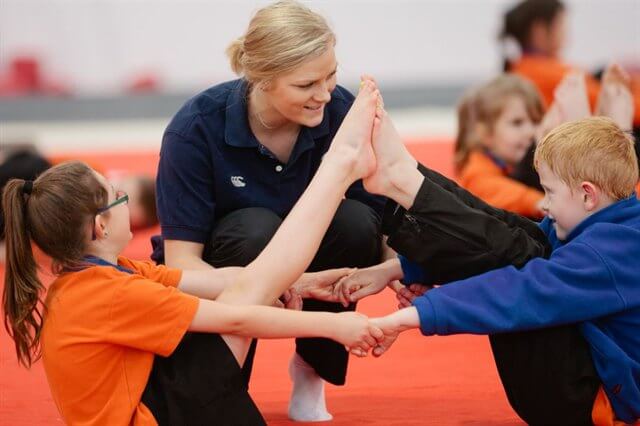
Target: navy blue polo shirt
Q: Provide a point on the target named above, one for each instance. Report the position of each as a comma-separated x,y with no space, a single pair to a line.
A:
211,164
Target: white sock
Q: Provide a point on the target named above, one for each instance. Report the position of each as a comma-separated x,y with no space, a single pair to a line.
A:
307,402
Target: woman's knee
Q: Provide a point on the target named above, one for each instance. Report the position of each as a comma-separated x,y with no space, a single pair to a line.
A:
354,234
240,236
356,223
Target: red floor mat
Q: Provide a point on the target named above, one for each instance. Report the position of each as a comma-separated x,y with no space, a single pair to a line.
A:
421,381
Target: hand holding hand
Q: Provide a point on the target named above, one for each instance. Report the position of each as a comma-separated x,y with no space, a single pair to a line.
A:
357,333
367,281
390,333
320,285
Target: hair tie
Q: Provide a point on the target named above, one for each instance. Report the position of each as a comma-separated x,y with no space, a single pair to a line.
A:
27,187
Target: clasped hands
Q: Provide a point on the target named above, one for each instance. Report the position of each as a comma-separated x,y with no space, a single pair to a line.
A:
346,286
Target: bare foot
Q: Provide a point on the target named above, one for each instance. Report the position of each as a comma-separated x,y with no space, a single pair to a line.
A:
615,99
552,119
352,142
616,102
390,154
571,97
616,74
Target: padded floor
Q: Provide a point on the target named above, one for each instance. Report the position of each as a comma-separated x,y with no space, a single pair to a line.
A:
420,381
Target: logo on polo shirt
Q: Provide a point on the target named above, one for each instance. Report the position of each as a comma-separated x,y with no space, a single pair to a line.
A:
238,181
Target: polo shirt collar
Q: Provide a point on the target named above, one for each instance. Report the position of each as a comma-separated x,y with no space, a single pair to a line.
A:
238,132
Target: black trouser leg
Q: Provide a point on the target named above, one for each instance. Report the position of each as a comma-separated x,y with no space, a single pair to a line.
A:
237,239
447,227
200,383
352,240
548,375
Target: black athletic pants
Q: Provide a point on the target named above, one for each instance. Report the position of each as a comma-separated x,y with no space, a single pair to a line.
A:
353,239
200,384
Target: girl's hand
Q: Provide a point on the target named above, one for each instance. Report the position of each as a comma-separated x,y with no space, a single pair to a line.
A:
390,332
365,282
356,333
320,285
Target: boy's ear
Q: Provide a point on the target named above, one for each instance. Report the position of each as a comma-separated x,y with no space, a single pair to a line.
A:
590,196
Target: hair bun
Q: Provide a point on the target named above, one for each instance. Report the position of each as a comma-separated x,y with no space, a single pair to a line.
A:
236,52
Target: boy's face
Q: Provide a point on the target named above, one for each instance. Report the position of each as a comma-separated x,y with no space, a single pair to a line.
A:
564,206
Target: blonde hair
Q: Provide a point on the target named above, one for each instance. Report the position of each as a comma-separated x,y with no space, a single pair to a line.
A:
484,104
594,149
280,37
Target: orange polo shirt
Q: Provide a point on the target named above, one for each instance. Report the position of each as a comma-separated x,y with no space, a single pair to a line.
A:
486,180
101,331
546,73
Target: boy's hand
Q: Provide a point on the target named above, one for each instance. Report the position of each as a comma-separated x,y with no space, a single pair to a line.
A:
392,325
292,300
406,295
356,333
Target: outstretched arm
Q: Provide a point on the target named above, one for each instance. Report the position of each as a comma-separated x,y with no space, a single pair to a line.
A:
349,328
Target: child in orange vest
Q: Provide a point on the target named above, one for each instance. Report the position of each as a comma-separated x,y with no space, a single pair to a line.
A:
496,128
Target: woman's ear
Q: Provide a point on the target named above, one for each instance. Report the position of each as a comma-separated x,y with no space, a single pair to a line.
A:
264,85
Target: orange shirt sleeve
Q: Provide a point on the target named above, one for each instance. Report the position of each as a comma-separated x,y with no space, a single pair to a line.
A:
146,315
485,180
508,194
159,273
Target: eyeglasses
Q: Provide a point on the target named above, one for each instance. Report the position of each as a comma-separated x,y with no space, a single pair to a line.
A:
121,198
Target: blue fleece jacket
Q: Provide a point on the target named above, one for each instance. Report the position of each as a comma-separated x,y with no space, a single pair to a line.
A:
592,278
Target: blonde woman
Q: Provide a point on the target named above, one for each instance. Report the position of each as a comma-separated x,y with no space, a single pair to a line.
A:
236,157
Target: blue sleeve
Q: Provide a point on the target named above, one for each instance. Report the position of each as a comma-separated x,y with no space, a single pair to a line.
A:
574,285
412,273
185,188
